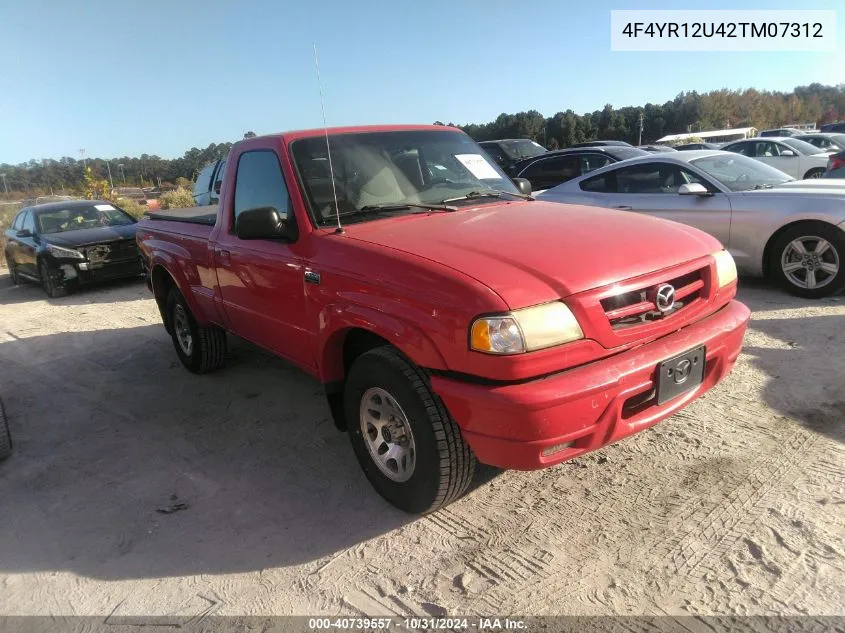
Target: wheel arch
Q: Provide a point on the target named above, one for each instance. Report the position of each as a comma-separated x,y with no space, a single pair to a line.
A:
770,243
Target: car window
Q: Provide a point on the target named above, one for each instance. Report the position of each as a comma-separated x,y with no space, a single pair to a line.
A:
591,162
561,168
649,178
766,149
603,183
259,183
58,220
495,153
746,149
799,147
221,173
29,222
18,223
203,183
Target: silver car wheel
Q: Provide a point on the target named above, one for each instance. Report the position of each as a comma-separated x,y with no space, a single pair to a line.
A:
182,328
387,434
810,262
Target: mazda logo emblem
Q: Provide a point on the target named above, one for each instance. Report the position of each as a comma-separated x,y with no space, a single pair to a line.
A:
682,372
665,298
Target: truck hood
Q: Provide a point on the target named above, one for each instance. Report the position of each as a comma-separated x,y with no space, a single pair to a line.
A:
532,252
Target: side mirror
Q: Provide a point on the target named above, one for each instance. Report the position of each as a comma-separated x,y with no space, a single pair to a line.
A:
523,185
24,233
788,152
693,189
265,223
217,186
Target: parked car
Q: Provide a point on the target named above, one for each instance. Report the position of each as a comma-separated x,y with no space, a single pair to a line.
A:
64,244
833,127
450,320
508,152
835,166
791,231
780,132
656,148
600,144
825,141
552,168
789,155
137,194
688,146
5,434
207,185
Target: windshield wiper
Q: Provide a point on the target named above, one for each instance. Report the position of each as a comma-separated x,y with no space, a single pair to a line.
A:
401,206
488,193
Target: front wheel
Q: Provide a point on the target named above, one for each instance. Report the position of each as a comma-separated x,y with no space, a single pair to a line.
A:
48,281
13,271
808,260
409,447
201,349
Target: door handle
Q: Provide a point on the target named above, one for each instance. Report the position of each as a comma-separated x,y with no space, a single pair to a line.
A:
624,207
224,256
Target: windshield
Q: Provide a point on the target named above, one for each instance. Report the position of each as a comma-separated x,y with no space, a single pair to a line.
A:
521,148
802,147
740,173
374,169
81,217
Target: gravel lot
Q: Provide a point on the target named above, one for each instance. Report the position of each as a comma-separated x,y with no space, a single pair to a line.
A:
137,488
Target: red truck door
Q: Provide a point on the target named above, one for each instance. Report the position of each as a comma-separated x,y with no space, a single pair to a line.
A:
262,281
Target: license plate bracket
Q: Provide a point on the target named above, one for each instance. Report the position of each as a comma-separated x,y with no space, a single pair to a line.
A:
680,374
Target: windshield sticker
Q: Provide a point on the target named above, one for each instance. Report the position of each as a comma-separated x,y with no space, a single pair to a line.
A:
104,207
478,166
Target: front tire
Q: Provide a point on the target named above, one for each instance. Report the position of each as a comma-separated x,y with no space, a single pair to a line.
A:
13,272
814,173
808,260
48,282
201,349
407,444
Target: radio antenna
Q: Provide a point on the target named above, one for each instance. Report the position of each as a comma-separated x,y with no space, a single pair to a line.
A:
328,146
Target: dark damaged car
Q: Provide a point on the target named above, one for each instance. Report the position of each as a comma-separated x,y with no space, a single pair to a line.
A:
66,244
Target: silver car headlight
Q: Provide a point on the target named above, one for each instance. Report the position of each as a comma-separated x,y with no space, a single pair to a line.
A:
64,253
725,268
525,330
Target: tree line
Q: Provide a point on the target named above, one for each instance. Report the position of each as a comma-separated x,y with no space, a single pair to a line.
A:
688,112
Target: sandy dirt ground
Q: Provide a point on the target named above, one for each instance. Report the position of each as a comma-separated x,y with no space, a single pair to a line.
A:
137,488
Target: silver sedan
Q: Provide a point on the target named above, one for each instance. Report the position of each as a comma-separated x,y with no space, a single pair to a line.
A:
774,226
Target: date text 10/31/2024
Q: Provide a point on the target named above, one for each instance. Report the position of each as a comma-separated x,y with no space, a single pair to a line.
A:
431,624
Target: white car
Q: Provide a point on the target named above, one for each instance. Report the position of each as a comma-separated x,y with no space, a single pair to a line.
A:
792,156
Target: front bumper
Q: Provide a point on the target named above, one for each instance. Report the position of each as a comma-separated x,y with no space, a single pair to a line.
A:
67,273
518,426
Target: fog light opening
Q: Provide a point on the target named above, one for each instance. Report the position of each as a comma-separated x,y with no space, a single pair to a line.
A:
69,271
557,448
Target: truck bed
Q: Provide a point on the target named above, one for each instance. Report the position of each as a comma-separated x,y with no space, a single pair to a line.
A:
192,215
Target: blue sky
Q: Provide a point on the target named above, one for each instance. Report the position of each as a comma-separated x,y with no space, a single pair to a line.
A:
126,77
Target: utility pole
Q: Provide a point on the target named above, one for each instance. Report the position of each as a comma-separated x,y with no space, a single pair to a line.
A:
122,175
5,186
111,182
641,129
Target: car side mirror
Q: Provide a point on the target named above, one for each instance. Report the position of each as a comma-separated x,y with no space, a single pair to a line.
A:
523,185
788,152
24,233
265,223
693,189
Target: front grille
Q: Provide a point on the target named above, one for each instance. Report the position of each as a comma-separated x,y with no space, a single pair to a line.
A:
637,307
111,251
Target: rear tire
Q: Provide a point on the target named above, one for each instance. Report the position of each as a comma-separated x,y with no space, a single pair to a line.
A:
809,274
814,173
5,435
49,284
201,349
437,465
13,272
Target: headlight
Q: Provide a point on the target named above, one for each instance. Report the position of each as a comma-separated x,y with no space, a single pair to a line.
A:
64,253
725,268
525,330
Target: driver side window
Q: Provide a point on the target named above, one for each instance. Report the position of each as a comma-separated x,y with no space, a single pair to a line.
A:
767,149
29,222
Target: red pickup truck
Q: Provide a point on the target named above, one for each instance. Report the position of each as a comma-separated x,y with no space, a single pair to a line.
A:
450,317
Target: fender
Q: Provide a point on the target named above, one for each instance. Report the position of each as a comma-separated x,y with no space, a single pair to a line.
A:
337,320
169,262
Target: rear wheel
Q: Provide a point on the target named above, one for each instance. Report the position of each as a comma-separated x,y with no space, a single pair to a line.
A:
13,271
48,281
808,259
814,173
201,349
409,447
